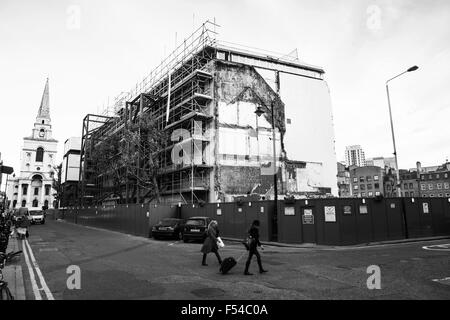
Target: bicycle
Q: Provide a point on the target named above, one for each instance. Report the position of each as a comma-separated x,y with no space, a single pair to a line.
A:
5,293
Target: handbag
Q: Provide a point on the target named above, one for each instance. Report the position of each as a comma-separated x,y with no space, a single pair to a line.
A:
248,242
220,243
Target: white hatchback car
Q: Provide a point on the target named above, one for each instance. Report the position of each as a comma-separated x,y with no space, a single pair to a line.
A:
37,216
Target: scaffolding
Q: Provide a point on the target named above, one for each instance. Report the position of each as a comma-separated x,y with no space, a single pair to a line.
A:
177,94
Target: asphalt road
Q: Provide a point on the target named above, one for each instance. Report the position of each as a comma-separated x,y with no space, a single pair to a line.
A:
119,266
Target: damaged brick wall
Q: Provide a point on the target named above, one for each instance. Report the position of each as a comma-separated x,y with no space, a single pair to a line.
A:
233,83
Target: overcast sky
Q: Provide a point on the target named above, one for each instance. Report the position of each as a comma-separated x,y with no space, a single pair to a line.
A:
114,44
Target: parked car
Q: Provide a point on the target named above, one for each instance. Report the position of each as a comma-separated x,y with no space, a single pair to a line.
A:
37,216
21,212
169,228
195,228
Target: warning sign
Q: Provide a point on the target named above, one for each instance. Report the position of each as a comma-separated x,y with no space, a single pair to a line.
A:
330,214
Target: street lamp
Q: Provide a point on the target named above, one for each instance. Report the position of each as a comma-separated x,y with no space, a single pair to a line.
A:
414,68
259,112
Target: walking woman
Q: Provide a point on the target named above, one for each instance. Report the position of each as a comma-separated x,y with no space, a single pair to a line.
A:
210,244
253,232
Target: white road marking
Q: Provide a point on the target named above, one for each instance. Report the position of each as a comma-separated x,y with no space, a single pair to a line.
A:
438,280
36,292
438,247
39,273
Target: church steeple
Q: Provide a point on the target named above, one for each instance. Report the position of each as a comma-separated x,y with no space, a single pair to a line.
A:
43,127
44,109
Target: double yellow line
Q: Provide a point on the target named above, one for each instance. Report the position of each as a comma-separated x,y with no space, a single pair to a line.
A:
33,269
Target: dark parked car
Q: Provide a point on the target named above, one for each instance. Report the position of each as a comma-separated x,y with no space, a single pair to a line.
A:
195,228
168,228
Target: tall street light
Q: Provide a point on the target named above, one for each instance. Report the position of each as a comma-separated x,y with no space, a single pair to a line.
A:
399,192
259,112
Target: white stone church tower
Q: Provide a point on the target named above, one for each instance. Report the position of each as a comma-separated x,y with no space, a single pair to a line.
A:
33,188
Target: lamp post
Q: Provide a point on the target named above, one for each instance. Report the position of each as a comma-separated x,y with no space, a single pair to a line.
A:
399,192
259,111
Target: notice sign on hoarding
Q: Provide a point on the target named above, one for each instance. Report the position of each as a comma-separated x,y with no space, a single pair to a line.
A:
289,211
219,211
308,217
426,208
330,214
347,210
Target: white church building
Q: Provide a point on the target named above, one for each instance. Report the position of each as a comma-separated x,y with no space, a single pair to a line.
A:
33,187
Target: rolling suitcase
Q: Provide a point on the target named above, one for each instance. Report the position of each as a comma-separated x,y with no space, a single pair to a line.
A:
229,263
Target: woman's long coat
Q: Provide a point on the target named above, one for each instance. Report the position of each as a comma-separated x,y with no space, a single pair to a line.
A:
210,244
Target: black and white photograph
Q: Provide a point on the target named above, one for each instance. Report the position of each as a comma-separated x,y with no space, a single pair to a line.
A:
218,157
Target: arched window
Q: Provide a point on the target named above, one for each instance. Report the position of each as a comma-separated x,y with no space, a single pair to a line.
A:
43,121
39,154
35,203
24,203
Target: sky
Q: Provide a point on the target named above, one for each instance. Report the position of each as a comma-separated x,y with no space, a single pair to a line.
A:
93,50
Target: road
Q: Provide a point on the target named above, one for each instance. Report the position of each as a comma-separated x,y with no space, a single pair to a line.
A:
119,266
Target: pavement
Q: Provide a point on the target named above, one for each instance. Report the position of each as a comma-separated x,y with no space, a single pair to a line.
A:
111,265
13,274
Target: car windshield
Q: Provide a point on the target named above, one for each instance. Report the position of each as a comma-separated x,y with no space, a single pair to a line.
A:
195,222
168,222
36,213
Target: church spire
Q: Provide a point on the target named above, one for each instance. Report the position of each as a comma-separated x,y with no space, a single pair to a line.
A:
44,109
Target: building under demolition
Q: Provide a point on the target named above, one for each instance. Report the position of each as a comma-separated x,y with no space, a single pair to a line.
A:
204,97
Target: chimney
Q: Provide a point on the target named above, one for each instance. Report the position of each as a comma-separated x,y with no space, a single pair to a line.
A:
419,169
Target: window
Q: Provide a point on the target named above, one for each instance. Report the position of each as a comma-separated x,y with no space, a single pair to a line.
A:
423,187
377,193
361,179
24,189
355,179
430,186
43,122
363,194
446,185
439,186
371,194
411,186
422,177
369,179
39,154
36,191
377,186
376,178
362,187
47,190
24,203
369,187
405,186
35,203
355,187
437,176
445,175
431,195
441,195
447,194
